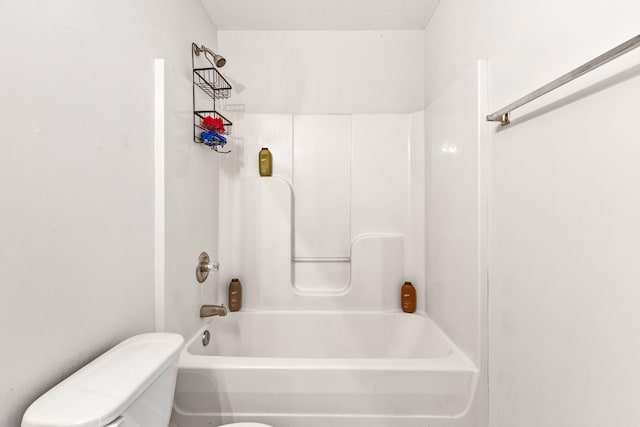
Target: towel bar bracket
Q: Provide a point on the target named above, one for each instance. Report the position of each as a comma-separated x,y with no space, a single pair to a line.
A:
503,119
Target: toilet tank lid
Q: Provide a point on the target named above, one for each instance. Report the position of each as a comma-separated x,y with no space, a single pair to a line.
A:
99,392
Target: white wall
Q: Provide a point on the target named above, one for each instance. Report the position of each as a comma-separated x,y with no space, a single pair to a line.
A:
319,72
191,198
77,181
338,92
564,206
415,244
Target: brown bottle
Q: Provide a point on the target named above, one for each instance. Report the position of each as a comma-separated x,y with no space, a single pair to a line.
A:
408,298
265,162
235,295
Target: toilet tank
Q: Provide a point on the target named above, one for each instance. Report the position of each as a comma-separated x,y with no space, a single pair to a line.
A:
130,385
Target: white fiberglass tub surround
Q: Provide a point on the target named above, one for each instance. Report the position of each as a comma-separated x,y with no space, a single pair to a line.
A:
295,368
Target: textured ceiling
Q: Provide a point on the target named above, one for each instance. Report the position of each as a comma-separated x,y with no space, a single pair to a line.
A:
320,14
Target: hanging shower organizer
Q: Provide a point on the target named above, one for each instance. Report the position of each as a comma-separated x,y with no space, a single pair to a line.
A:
211,83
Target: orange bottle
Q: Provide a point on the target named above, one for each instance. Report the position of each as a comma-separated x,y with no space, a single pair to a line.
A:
408,298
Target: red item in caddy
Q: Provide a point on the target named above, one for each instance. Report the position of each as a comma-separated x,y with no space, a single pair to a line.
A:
212,123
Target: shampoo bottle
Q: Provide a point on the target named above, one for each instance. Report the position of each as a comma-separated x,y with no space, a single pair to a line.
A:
235,295
408,297
265,162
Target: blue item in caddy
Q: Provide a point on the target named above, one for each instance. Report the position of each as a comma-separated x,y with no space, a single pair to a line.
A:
212,138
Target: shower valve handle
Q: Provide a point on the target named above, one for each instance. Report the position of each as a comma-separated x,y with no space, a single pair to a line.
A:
204,266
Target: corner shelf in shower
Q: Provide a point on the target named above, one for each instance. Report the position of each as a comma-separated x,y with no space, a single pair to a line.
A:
216,87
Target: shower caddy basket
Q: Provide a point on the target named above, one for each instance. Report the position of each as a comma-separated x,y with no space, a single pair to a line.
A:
215,87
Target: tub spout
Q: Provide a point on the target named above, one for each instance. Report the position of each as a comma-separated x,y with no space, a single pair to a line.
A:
213,310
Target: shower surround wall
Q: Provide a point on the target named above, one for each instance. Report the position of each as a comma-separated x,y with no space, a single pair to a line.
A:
563,306
262,229
334,109
457,166
77,183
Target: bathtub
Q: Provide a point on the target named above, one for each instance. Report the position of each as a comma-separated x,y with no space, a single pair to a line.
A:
322,368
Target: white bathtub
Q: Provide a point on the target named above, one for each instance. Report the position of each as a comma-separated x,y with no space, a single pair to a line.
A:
304,368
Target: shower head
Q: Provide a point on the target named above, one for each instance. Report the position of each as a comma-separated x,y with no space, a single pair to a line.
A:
218,60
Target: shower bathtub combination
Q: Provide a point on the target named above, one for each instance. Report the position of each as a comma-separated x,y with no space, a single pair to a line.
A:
306,368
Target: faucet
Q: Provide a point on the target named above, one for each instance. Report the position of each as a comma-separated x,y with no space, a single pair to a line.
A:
213,310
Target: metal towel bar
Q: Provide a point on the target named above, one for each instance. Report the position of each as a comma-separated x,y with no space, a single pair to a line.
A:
502,115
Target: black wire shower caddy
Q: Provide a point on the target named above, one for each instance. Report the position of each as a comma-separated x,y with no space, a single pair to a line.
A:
216,87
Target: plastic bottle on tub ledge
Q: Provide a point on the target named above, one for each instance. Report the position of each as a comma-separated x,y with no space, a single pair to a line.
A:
235,295
408,298
265,163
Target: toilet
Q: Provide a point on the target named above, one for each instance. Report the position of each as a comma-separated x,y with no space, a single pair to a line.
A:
131,385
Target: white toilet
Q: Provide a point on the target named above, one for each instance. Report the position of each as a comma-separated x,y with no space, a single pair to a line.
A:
131,385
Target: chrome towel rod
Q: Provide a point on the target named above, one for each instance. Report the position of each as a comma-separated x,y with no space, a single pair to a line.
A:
502,115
